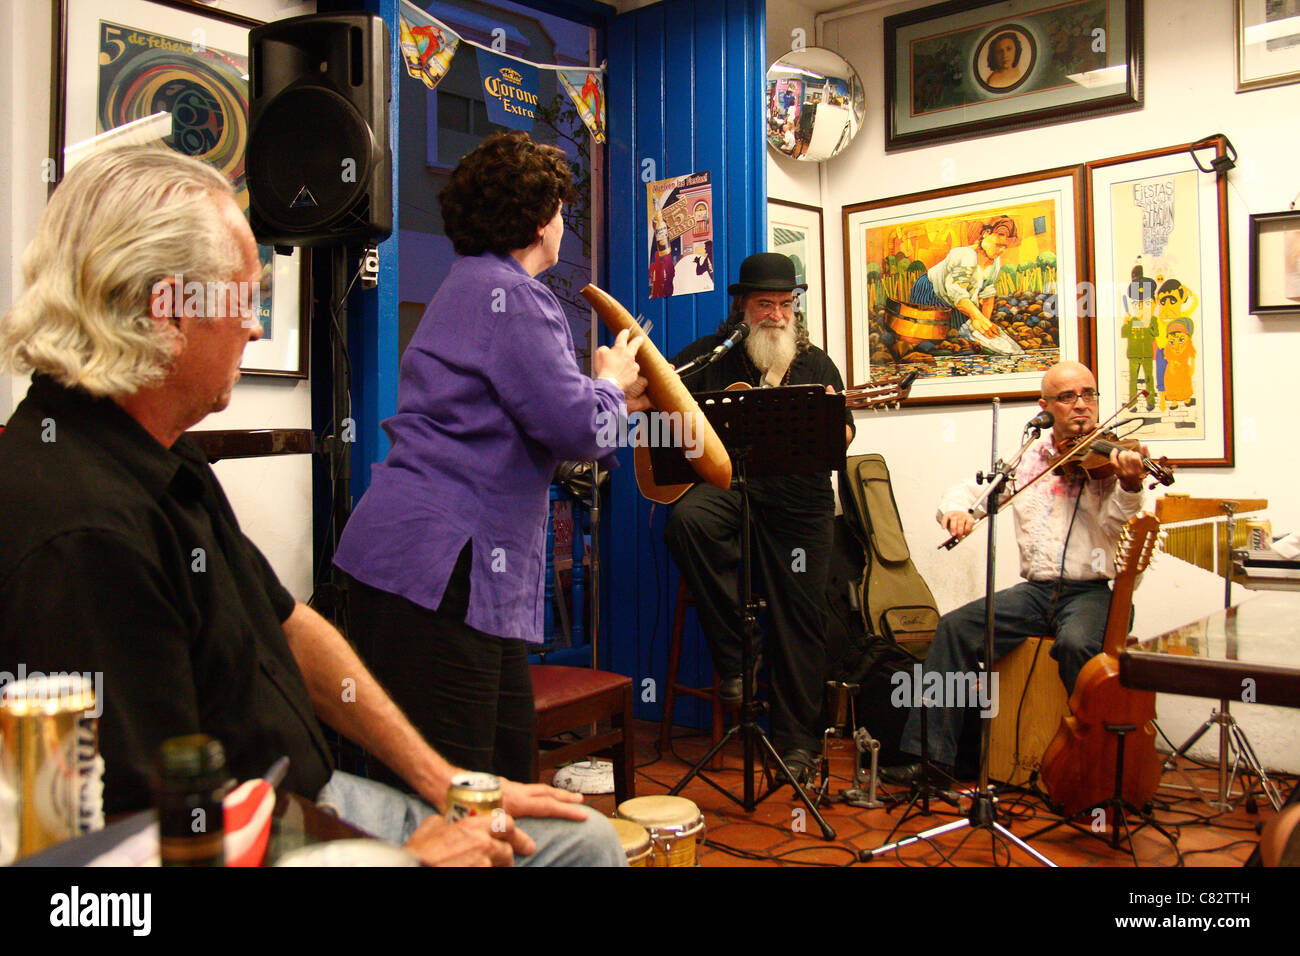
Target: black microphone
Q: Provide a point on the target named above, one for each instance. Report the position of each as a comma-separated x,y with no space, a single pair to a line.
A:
1043,419
737,336
731,341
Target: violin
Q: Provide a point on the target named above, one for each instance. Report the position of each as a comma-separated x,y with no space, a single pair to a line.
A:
1092,460
1088,456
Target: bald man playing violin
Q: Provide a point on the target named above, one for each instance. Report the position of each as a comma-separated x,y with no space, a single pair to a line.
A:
1066,529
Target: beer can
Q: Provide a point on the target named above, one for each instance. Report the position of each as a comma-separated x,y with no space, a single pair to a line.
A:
51,775
472,795
1259,534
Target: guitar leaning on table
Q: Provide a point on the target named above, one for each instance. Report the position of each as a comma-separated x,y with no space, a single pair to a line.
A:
1078,768
882,394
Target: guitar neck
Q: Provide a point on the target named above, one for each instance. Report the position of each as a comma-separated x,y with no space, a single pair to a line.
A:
1131,558
1121,603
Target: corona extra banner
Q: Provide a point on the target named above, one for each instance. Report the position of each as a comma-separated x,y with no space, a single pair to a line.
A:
509,83
509,89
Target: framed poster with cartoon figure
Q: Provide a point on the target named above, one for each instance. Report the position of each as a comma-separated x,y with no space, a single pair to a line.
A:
1163,344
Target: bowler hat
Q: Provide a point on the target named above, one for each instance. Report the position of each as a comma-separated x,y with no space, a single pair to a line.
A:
766,272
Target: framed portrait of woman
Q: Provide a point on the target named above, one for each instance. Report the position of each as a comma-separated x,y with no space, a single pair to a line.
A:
961,69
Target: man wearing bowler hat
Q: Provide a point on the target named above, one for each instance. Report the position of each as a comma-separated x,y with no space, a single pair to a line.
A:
792,517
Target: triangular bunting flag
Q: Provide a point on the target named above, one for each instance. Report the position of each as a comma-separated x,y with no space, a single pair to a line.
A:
587,91
427,45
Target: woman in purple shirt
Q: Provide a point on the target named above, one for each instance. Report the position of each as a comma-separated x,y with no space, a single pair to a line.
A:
445,551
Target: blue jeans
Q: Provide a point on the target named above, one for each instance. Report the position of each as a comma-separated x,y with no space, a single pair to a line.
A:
391,815
1074,612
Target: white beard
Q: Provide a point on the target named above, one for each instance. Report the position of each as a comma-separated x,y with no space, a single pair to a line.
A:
770,345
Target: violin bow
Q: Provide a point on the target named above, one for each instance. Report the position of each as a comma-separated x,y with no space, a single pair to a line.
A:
1079,448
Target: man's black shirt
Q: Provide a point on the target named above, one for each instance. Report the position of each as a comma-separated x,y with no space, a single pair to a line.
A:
811,492
121,556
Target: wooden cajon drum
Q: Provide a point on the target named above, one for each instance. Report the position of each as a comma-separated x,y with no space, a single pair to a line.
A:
1027,672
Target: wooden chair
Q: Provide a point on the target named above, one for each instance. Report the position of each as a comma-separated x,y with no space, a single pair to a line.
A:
569,698
1028,672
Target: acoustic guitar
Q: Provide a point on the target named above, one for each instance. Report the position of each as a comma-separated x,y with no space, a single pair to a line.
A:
883,394
1078,769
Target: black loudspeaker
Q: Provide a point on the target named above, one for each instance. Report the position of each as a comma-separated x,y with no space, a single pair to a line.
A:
318,163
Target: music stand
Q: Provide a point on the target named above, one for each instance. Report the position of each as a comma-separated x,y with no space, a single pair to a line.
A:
795,429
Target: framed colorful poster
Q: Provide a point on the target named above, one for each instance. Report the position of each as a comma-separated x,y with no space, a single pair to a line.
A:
795,230
972,287
1158,222
1275,262
1268,43
679,234
173,73
969,68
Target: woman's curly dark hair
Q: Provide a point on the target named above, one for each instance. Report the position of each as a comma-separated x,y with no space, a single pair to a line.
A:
501,193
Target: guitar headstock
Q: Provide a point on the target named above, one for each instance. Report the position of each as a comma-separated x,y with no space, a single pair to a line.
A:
886,393
1136,542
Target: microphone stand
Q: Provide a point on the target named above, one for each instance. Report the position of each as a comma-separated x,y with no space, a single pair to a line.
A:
982,814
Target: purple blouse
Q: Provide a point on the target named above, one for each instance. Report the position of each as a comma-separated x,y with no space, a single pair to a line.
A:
489,398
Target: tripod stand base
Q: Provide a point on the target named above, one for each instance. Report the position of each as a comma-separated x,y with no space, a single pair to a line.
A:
1233,744
982,816
754,736
1118,814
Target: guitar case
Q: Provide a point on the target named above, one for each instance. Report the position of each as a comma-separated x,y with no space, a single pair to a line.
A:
880,613
896,603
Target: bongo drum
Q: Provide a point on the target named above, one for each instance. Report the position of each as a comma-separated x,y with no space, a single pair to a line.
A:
674,825
635,840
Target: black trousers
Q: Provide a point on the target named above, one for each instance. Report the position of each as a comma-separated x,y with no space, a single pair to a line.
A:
792,550
468,693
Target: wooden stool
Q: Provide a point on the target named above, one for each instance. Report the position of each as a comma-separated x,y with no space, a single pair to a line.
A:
567,698
686,600
1045,703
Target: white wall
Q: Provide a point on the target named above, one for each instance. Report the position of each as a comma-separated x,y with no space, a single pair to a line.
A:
271,496
1189,82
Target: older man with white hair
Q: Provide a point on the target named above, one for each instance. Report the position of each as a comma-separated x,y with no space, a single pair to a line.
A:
792,521
121,554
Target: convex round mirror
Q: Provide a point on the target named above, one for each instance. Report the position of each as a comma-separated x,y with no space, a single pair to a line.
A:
815,104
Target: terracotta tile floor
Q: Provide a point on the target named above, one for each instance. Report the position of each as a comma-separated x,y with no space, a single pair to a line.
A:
781,833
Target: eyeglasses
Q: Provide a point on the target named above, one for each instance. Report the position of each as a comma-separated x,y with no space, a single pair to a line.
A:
768,306
771,306
1089,395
